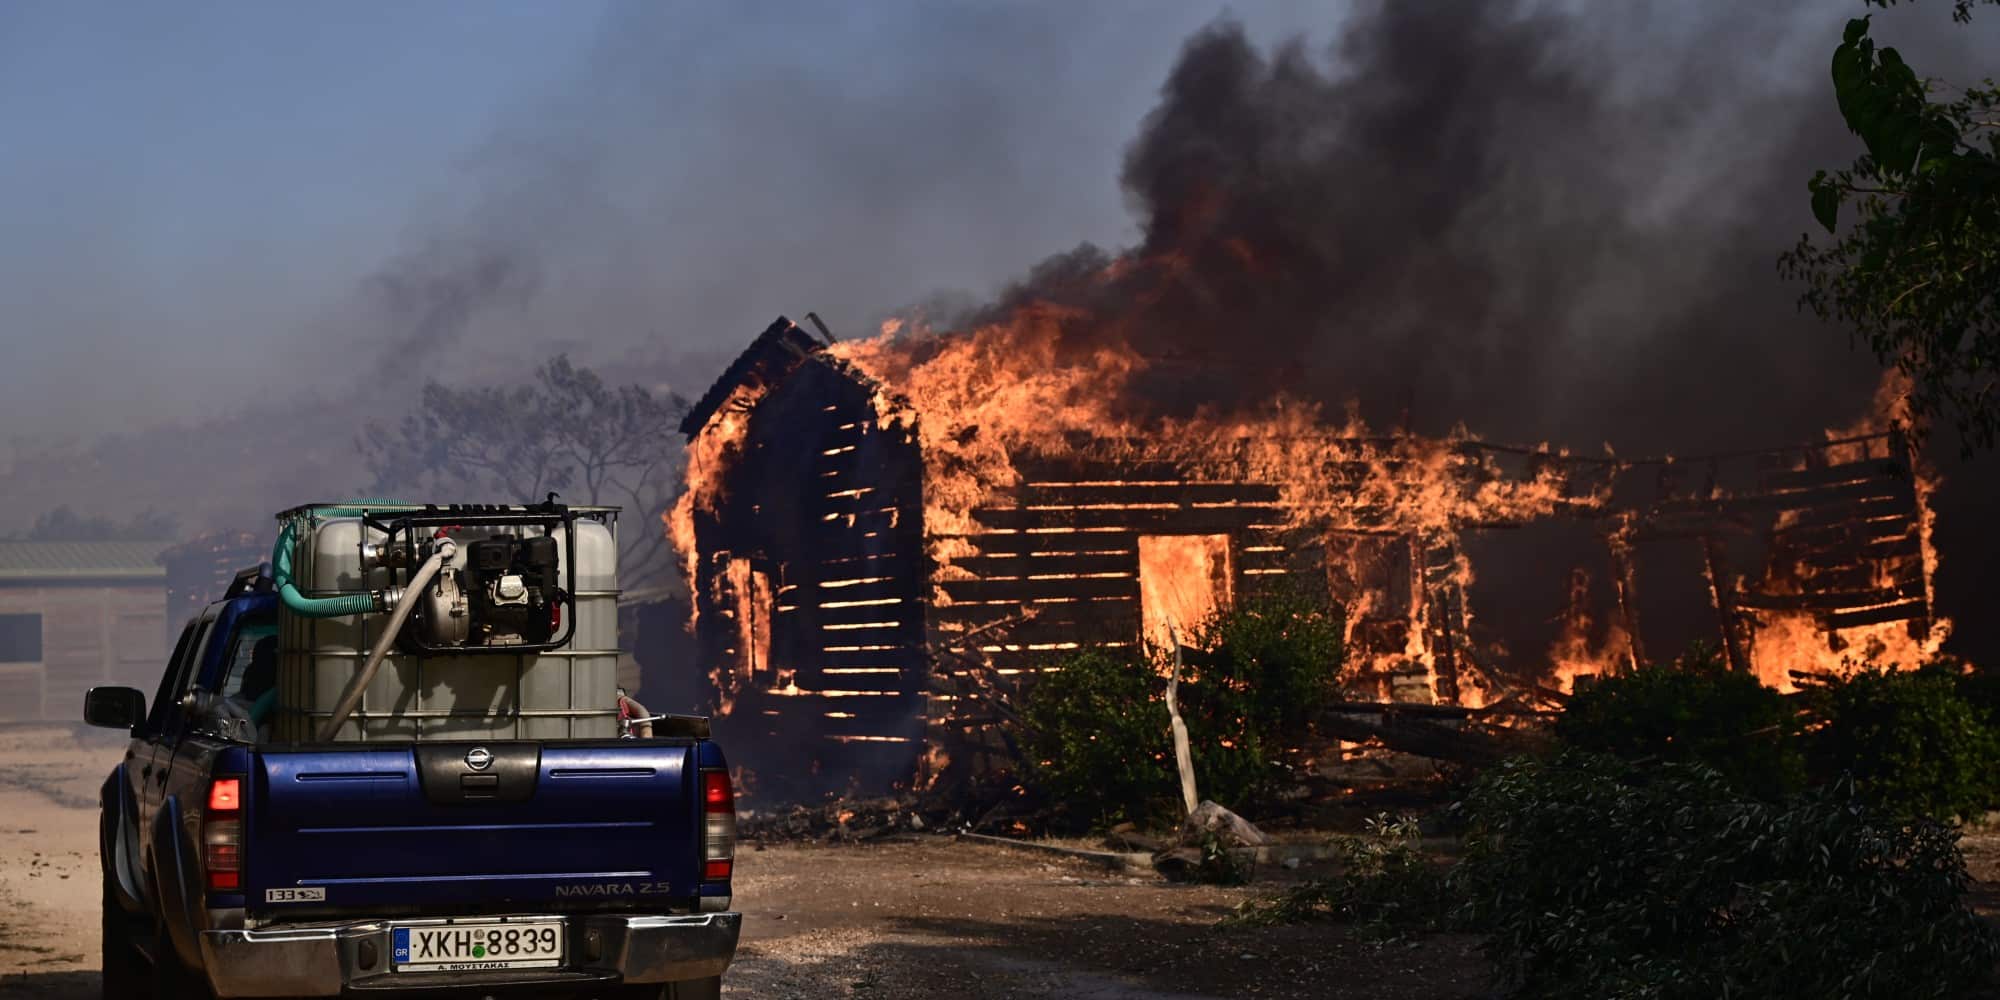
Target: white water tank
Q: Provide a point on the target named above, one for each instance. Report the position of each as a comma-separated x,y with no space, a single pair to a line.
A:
563,693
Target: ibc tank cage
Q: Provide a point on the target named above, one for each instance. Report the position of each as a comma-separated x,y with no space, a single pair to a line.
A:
515,638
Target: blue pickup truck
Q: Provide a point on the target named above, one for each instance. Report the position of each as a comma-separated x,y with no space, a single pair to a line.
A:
238,868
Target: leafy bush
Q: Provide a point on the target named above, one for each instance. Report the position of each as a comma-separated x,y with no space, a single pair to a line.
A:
1262,671
1096,735
1593,878
1911,742
1386,885
1697,711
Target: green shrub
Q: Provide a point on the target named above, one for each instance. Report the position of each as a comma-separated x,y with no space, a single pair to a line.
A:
1911,742
1978,684
1594,878
1386,886
1263,670
1697,711
1095,736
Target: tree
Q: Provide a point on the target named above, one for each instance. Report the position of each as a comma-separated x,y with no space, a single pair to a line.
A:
565,432
1915,271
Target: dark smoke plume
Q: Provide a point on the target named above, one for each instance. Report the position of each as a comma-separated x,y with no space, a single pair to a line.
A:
1454,215
1481,214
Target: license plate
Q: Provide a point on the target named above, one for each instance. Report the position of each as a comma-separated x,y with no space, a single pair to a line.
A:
473,946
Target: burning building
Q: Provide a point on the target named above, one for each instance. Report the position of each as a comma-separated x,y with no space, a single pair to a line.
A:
886,537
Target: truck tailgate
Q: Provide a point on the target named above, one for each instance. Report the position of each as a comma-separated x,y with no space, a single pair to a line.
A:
472,827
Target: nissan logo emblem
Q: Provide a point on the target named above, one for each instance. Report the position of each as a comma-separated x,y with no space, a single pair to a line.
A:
479,758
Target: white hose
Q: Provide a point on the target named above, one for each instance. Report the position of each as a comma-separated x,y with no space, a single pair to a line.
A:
351,697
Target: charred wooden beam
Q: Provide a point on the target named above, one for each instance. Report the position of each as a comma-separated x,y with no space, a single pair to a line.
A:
988,590
1180,520
1439,738
1836,475
1899,611
1025,565
1180,494
1720,598
1625,582
1833,601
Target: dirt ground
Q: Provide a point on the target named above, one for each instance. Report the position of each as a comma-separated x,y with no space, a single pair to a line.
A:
918,917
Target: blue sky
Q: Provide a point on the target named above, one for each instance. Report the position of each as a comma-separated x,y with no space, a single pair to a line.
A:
191,194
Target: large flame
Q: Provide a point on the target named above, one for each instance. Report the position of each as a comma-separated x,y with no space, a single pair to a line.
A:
710,454
1027,385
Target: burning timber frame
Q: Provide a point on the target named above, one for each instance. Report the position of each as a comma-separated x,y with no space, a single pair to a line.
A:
851,646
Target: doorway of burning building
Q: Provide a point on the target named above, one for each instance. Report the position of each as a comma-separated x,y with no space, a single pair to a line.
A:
1184,580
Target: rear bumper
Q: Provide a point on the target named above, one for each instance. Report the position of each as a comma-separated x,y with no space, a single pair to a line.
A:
323,960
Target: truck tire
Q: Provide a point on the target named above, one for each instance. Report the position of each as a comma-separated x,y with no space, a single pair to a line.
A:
171,979
125,974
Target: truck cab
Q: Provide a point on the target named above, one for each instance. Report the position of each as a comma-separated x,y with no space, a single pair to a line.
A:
235,866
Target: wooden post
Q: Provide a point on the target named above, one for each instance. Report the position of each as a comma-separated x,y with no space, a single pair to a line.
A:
1719,596
1625,577
1183,756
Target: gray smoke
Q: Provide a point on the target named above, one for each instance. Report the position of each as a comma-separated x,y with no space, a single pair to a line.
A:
1486,213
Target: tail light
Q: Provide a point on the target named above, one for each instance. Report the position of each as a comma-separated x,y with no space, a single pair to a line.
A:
222,835
718,835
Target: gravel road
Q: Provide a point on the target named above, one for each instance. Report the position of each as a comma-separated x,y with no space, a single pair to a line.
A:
918,917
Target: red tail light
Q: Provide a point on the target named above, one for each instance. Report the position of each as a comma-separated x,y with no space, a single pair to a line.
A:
718,805
222,835
716,795
225,795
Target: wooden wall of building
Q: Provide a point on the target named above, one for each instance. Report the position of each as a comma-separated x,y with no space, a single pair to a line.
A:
91,635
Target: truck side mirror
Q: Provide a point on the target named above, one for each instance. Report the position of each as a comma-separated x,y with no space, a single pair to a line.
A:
114,707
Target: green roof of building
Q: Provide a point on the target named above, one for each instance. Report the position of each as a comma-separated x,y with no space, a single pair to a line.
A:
81,560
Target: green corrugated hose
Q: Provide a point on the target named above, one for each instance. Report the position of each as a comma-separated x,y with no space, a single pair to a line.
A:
288,592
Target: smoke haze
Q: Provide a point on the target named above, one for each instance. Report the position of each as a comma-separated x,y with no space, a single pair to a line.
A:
231,237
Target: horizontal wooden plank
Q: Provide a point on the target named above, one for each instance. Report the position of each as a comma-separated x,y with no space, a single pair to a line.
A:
1863,576
1829,496
1834,496
1822,535
844,634
1147,493
1029,590
848,590
1187,521
876,563
1088,632
1837,556
839,540
1042,565
843,655
850,499
867,520
1042,469
1874,616
1857,511
1833,475
1022,659
1025,543
909,611
1835,600
953,617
